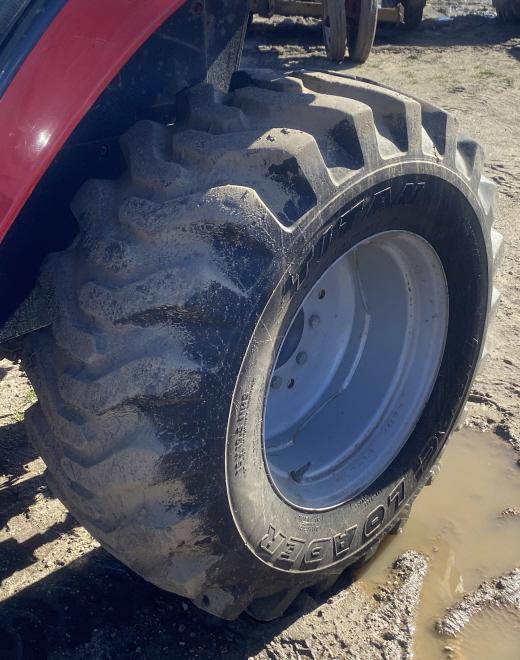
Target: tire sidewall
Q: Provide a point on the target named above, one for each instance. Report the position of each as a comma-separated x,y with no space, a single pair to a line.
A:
436,204
360,36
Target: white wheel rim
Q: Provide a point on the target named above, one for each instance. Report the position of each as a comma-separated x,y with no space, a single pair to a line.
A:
355,370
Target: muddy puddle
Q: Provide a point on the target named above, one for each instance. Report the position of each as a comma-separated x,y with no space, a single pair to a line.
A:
457,522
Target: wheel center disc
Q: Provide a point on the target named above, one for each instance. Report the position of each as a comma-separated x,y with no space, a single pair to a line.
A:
355,370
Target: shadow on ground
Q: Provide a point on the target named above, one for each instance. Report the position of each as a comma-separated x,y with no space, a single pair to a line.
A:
15,453
94,607
515,52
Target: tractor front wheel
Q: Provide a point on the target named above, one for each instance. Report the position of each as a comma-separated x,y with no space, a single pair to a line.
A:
264,333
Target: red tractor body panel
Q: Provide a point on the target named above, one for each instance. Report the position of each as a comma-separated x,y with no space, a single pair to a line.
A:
83,49
74,76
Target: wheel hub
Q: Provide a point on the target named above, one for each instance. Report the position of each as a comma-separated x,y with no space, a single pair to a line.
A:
355,370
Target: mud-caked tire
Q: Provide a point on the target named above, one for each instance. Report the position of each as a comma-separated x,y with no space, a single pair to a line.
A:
170,308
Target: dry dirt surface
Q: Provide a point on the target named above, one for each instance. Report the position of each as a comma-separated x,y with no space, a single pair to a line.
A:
62,596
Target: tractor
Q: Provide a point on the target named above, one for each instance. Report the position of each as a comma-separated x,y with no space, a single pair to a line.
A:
251,304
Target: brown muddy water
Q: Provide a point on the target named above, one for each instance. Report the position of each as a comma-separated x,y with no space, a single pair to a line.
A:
457,524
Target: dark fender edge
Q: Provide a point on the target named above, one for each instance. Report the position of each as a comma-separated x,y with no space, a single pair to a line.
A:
32,314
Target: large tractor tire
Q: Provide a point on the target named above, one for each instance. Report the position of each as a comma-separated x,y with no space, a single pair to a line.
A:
264,333
508,10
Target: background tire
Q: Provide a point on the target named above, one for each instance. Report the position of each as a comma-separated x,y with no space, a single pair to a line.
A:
152,379
334,25
362,30
508,10
413,13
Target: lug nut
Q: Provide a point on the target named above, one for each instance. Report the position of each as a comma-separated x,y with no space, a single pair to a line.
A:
314,321
301,358
276,382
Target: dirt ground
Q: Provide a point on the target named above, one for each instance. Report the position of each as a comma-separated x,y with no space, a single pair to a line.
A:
62,596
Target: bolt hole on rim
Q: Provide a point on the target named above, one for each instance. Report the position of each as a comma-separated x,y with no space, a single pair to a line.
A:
355,369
